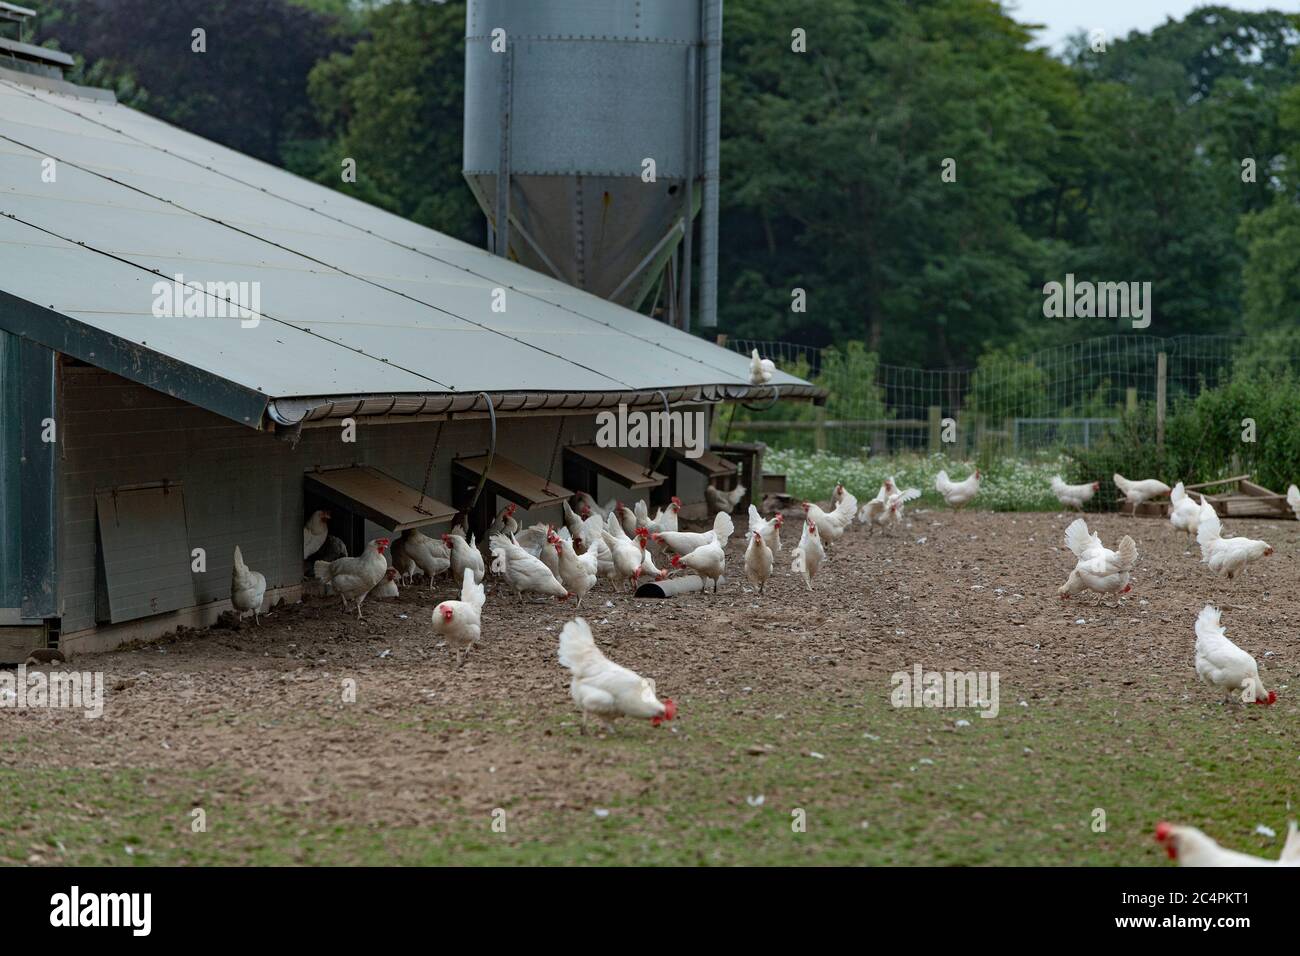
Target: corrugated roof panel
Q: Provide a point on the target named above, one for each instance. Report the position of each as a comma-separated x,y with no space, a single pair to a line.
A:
357,301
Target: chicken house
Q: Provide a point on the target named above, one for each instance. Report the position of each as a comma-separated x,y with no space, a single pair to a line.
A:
197,350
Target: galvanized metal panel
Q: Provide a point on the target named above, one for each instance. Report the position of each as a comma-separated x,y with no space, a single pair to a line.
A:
146,551
667,21
356,301
621,103
28,479
39,481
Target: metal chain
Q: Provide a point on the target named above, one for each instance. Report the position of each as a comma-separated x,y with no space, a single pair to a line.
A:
428,469
555,453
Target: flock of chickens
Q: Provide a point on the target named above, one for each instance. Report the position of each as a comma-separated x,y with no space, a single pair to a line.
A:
628,545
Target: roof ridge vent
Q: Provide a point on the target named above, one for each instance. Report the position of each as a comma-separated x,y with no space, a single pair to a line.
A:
17,54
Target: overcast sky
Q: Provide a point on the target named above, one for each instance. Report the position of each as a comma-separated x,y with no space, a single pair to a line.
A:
1118,17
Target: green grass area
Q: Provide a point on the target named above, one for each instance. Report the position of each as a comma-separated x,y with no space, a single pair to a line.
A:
1008,484
892,787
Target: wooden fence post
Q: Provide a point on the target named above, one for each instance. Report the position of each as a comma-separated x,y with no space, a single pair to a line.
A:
935,416
819,436
1131,400
1162,369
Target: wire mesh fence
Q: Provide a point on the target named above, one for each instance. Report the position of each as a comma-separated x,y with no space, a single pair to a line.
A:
1062,397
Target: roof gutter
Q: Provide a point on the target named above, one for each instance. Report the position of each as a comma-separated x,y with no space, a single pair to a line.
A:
303,412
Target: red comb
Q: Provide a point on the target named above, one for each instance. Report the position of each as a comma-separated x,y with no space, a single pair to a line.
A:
1163,831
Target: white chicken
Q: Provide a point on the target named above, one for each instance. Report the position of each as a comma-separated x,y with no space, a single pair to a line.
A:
665,519
415,551
1293,499
626,519
625,556
958,493
1098,568
761,370
1228,556
461,622
1190,847
602,688
464,555
1224,665
314,533
648,568
719,500
534,538
889,511
523,572
831,524
247,589
505,523
353,578
1137,492
887,488
709,560
387,586
758,561
808,556
769,528
684,542
1074,496
1185,515
586,501
576,572
573,521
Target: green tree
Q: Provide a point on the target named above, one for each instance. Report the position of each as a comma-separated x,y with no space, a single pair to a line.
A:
248,91
395,104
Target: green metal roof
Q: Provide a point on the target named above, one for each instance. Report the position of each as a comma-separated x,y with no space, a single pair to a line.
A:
354,302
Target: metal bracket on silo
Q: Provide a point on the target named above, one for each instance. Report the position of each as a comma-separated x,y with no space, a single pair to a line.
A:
712,95
502,226
692,150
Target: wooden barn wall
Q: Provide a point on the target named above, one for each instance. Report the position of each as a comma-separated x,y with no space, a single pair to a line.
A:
244,487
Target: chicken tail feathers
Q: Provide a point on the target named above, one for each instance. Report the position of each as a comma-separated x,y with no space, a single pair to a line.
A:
723,526
239,560
1208,622
578,650
1208,530
472,593
322,571
1128,554
1077,537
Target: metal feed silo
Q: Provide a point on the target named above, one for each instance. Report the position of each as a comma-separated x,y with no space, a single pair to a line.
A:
570,98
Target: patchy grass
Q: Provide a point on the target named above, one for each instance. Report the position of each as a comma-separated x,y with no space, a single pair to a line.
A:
892,786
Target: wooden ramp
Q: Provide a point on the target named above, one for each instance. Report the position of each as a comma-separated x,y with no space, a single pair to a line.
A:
381,498
710,464
511,481
583,463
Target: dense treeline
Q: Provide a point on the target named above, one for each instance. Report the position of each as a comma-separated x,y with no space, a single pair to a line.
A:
1122,165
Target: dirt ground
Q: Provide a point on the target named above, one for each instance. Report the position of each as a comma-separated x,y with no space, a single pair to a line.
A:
251,725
